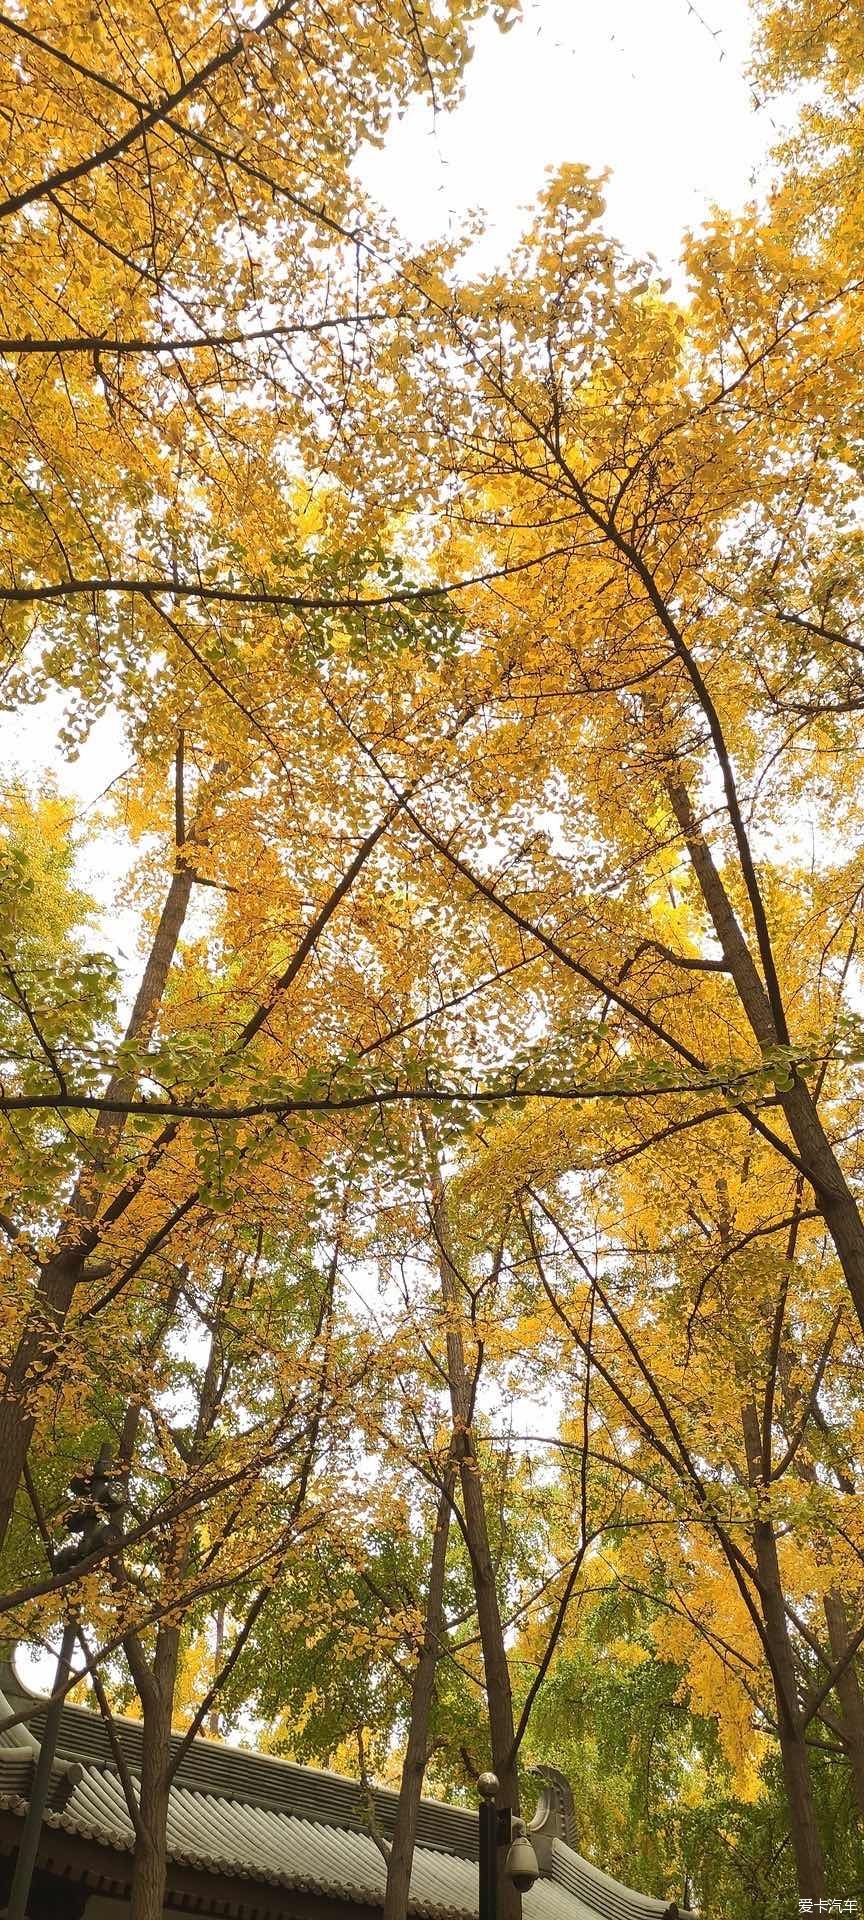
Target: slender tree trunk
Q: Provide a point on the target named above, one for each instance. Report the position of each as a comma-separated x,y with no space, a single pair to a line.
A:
79,1234
214,1717
804,1831
833,1196
495,1665
156,1680
422,1693
848,1692
155,1683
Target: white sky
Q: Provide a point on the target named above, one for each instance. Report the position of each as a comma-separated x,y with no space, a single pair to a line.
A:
647,88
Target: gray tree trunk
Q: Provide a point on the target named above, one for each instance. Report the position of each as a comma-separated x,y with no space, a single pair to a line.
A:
422,1693
155,1683
804,1831
495,1666
832,1193
79,1234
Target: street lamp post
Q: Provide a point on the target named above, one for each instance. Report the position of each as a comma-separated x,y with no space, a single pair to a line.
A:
500,1828
488,1817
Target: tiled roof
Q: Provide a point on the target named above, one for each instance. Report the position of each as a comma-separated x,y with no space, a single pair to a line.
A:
265,1820
281,1849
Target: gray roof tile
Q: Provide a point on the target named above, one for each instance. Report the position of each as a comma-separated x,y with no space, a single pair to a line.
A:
300,1830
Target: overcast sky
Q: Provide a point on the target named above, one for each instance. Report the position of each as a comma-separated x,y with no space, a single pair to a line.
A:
651,89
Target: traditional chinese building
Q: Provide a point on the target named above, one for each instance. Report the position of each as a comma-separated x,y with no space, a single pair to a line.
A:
255,1838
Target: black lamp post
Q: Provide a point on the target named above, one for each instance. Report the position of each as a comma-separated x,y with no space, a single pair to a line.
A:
102,1498
499,1828
489,1817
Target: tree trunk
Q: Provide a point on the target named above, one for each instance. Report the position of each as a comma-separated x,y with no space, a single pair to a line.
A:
155,1684
214,1717
79,1234
422,1693
833,1196
848,1693
496,1670
804,1832
848,1685
156,1680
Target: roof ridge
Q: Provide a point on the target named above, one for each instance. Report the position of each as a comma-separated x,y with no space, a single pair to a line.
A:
228,1772
203,1743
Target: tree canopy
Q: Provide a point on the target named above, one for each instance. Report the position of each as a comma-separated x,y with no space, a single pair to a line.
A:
451,1222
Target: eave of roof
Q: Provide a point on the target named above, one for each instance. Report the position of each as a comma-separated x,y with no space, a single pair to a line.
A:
253,1817
224,1771
223,1837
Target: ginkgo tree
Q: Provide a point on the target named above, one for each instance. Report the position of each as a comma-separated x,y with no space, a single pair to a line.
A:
488,654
